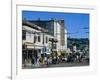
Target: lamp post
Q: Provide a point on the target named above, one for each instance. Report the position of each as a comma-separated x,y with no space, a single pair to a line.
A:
52,43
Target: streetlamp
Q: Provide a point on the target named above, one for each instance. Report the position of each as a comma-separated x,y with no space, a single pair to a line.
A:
52,43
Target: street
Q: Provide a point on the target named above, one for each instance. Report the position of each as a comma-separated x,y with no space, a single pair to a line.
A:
68,64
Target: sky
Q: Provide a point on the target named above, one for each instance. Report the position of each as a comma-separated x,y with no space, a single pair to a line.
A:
77,24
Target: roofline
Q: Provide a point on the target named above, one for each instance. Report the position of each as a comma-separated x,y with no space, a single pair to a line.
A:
26,23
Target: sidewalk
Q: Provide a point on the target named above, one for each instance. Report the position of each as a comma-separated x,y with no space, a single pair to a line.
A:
64,64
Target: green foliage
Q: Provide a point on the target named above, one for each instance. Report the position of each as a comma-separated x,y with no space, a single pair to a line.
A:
77,53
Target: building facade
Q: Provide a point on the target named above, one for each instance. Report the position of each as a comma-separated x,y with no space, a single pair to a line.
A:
42,37
61,35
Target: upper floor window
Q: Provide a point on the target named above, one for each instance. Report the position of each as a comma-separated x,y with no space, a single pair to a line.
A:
46,39
35,38
39,39
23,35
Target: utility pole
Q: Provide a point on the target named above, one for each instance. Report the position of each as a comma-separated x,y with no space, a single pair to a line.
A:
52,43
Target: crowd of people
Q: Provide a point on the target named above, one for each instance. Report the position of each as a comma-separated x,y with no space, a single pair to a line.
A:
50,59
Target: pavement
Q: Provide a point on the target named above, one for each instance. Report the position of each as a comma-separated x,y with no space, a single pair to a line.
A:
67,64
71,64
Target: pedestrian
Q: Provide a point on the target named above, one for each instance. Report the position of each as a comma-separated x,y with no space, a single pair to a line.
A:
50,60
38,62
45,60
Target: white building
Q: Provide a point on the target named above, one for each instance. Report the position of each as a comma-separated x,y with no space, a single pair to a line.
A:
60,34
36,36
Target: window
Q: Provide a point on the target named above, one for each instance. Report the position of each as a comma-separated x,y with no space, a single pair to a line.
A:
23,47
35,38
38,38
39,50
43,39
23,35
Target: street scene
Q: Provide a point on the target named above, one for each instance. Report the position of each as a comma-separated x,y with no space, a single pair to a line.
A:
54,39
